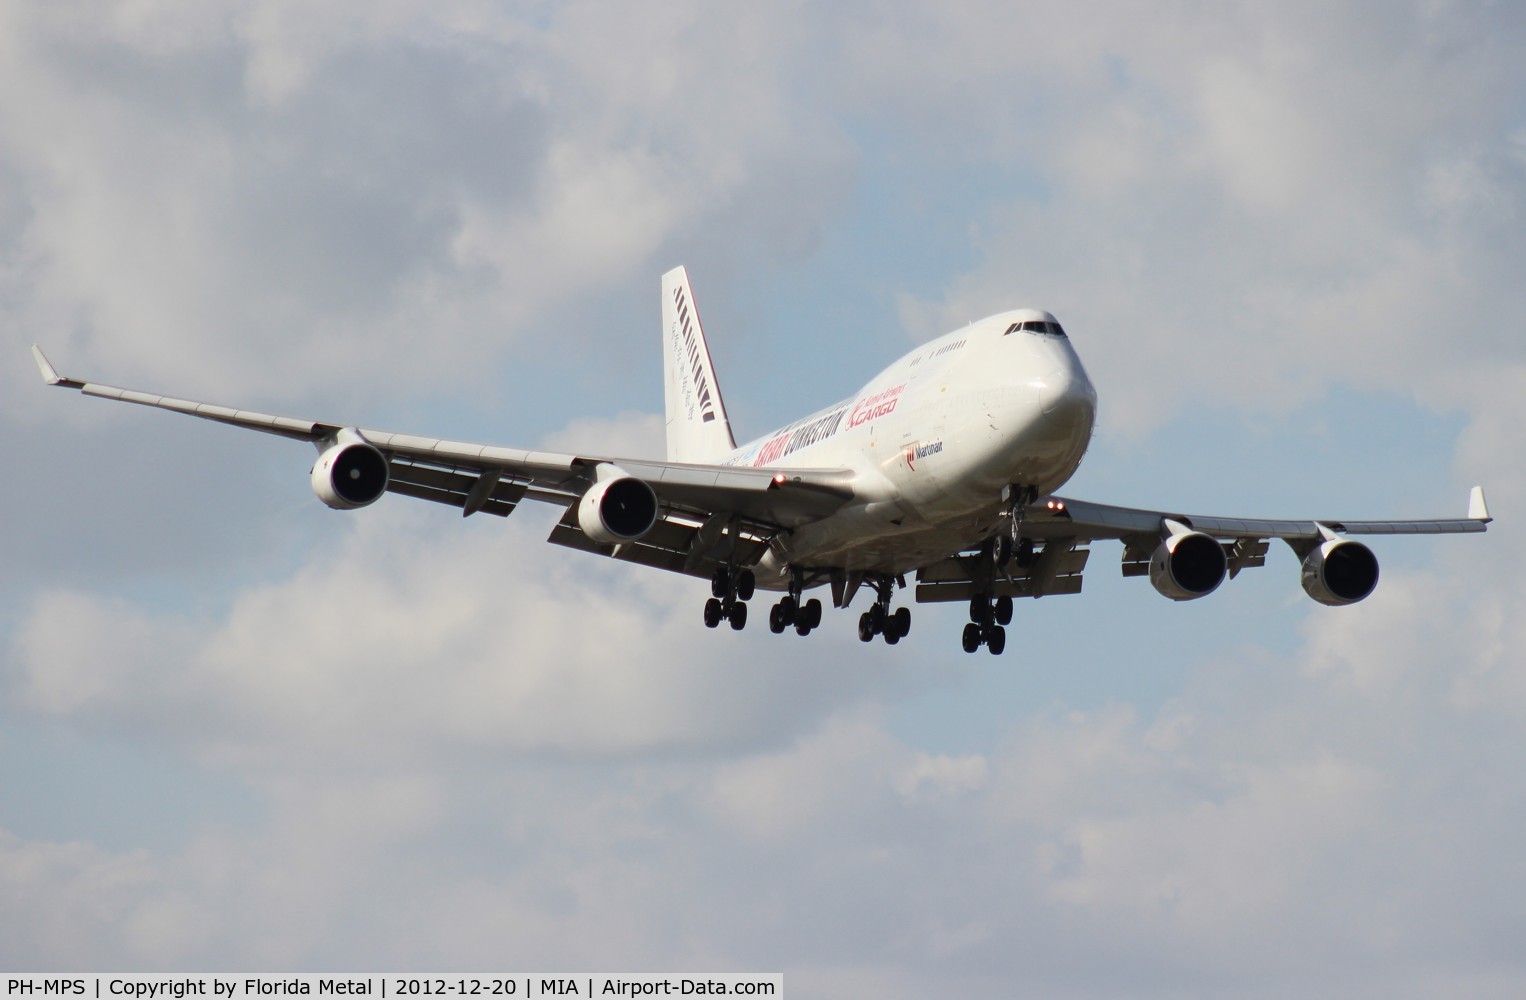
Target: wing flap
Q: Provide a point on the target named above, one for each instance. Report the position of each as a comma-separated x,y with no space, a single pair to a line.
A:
936,593
1056,570
667,546
784,497
454,488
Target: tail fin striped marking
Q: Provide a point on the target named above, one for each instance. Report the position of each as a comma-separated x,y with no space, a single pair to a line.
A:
697,426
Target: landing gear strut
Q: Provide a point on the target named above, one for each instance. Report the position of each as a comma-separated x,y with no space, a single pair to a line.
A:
730,591
880,620
1018,498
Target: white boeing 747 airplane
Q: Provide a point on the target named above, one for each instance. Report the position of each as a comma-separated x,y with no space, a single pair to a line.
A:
942,467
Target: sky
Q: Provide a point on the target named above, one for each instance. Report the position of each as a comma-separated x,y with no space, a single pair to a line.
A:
240,731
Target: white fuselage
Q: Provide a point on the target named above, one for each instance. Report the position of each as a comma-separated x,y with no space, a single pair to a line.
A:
933,440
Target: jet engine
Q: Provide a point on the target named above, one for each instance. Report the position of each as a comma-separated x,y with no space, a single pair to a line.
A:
1188,564
350,473
1340,572
619,508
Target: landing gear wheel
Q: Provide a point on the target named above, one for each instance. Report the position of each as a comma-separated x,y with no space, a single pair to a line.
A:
1001,550
783,614
1025,553
720,582
892,637
738,616
746,583
902,619
808,617
980,609
1004,610
971,637
712,612
996,639
877,617
865,627
776,622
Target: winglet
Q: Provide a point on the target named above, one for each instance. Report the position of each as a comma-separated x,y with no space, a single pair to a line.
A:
1478,510
50,374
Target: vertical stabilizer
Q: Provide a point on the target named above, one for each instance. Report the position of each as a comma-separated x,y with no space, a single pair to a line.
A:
698,430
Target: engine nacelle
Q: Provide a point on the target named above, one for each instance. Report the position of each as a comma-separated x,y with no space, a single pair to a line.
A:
619,508
1340,572
1188,564
350,473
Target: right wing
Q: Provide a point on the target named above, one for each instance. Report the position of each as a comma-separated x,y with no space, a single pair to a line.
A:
708,514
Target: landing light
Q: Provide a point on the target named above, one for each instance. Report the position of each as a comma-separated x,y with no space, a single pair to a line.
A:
780,478
1055,505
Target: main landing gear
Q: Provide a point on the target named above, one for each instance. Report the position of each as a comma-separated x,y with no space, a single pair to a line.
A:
988,620
732,588
791,612
880,620
730,591
989,615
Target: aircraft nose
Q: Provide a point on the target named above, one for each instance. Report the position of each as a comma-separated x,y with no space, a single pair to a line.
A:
1066,394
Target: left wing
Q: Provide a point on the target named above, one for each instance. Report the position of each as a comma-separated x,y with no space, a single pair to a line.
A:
1104,521
706,514
1186,555
1244,538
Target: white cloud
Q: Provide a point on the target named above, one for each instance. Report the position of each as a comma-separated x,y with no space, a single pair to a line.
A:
390,188
412,634
59,898
627,435
941,775
1277,844
1272,206
1271,829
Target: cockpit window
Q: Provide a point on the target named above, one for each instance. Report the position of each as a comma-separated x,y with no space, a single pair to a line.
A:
1037,326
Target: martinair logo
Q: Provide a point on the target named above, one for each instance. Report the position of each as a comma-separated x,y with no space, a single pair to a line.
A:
917,452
